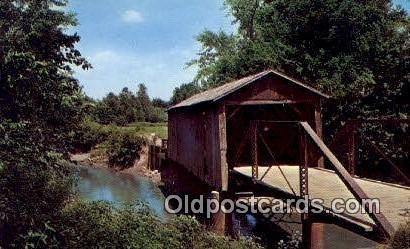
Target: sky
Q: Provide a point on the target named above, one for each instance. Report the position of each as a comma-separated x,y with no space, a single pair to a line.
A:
142,41
129,42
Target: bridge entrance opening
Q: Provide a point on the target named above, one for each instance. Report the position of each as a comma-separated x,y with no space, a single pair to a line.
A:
276,130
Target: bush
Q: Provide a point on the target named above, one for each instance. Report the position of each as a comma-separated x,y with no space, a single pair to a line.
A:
86,137
293,241
158,115
100,225
91,134
401,238
124,149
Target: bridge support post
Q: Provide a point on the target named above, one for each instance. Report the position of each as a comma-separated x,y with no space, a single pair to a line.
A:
312,235
304,190
353,148
217,219
319,130
306,234
254,148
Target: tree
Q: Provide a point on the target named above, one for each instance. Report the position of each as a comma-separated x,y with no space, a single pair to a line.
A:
36,82
160,103
129,107
346,49
145,101
357,51
184,91
41,104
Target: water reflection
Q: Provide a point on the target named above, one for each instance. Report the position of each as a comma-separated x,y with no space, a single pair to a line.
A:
103,184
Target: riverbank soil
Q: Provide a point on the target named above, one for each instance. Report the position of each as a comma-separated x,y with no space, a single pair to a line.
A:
140,167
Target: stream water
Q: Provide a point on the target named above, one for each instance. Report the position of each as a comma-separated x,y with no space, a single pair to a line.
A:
103,184
118,188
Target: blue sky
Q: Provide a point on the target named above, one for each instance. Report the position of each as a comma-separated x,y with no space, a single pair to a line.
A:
144,41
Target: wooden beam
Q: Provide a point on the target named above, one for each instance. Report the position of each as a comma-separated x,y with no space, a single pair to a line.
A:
319,130
224,171
274,159
237,109
339,137
384,121
254,149
350,183
240,148
261,102
353,153
217,219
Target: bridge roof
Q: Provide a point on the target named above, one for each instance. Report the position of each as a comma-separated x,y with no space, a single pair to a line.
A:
215,94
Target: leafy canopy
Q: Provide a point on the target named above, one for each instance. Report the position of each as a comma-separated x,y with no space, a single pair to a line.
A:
350,49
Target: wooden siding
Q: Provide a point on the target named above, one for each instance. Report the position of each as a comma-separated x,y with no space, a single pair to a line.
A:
194,143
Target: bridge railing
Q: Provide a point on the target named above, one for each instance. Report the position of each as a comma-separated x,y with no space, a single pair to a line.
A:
347,140
309,135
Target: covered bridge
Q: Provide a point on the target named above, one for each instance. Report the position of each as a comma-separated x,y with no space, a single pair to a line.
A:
210,132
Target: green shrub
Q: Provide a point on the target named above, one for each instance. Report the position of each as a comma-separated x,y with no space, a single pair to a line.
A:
100,225
401,238
158,115
88,135
124,149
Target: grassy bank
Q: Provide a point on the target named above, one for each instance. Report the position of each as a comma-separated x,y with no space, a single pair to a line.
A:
146,129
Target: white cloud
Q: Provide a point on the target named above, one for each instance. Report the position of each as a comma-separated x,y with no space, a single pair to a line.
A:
132,16
105,56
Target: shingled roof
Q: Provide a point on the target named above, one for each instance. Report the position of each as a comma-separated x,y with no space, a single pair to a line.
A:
215,94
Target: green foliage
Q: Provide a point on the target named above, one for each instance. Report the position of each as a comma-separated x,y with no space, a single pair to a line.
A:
146,129
90,134
100,225
344,48
146,104
357,51
44,236
157,102
122,109
124,149
34,183
41,103
183,92
401,238
127,107
35,57
158,115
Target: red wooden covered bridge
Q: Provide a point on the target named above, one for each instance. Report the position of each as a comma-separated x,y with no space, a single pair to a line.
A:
266,129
